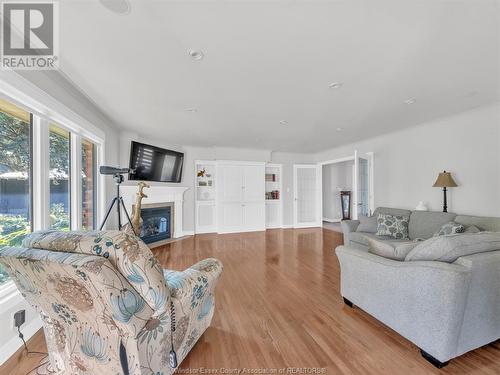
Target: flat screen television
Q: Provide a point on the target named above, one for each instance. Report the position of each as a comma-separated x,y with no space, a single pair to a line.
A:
151,163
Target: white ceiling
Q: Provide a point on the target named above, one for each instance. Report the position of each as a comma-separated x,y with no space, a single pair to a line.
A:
267,61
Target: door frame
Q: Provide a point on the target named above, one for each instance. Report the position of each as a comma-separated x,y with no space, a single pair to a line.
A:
319,203
328,162
371,194
371,201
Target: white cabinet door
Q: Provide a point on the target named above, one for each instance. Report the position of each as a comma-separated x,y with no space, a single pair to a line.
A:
254,216
206,217
230,217
230,187
241,197
306,181
273,214
254,183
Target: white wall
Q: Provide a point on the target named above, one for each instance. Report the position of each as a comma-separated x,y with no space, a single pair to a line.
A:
336,177
407,163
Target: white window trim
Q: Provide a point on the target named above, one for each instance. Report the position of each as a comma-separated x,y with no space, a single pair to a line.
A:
45,109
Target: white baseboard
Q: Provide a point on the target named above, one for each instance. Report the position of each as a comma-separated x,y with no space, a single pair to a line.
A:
189,233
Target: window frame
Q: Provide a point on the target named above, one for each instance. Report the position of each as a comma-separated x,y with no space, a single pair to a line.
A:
44,109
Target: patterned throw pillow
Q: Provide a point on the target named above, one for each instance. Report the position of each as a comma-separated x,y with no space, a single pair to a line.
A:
450,228
393,225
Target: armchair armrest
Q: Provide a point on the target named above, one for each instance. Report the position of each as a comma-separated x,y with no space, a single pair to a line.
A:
349,226
181,283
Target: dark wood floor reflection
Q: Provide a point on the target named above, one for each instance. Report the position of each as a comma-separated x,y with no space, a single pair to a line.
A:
278,305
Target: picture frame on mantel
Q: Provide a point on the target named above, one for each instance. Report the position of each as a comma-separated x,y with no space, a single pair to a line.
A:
345,201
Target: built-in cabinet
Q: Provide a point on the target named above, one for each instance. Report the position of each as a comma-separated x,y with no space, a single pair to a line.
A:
240,196
236,196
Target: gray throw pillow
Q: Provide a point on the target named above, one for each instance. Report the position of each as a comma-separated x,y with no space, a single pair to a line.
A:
367,224
393,225
450,248
391,250
450,228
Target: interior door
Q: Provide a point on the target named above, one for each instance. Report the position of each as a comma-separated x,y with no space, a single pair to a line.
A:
307,199
363,203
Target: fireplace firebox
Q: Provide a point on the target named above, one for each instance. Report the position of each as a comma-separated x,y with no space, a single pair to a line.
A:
157,222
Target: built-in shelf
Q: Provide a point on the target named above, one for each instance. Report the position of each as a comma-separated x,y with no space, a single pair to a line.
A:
274,204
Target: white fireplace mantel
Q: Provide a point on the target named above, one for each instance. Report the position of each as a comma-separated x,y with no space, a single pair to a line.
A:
158,194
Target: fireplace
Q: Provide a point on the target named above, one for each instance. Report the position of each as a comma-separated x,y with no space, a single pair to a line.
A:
157,222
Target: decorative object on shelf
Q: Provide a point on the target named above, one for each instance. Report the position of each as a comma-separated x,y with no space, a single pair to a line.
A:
201,173
272,195
345,201
270,177
136,214
445,180
421,206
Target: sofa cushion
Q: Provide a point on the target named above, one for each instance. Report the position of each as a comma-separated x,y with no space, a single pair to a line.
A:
392,225
390,249
450,228
450,248
472,229
361,238
391,211
491,224
367,224
423,224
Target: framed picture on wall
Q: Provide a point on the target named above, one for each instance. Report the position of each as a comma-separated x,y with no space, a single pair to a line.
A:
345,201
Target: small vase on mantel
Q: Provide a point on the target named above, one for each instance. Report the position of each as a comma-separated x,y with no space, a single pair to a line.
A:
421,206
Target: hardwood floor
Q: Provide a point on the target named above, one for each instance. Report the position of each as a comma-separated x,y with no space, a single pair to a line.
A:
278,305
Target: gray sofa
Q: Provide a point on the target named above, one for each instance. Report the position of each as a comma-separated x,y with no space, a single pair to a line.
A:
446,309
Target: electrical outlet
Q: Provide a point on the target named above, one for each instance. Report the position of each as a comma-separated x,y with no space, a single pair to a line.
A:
19,318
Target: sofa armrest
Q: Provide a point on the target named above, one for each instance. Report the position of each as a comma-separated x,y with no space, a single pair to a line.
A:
424,301
349,226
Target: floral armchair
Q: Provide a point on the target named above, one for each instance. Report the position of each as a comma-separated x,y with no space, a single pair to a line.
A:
106,304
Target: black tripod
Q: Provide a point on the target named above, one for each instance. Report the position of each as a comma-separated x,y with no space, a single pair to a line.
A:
119,204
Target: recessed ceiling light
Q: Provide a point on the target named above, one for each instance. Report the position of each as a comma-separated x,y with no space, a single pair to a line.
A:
196,55
283,122
335,85
340,129
117,6
191,110
410,101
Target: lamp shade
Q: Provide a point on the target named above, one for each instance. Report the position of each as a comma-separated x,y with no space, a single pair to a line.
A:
445,180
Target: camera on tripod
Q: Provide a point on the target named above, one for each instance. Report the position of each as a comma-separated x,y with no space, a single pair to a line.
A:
117,174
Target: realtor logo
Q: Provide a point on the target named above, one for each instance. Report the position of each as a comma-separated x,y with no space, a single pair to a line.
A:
30,35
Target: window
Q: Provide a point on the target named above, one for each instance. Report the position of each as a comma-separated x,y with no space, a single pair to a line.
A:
15,176
59,177
89,185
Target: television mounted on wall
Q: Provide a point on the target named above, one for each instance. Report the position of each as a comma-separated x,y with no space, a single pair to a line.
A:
151,163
